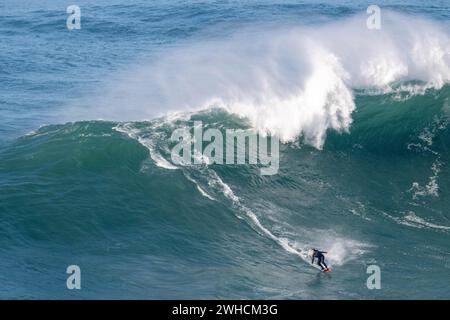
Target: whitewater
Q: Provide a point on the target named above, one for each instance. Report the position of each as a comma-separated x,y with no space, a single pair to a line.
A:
297,81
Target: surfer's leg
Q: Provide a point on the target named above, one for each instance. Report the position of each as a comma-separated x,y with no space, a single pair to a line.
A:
321,263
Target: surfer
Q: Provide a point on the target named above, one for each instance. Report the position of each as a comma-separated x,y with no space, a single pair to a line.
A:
320,259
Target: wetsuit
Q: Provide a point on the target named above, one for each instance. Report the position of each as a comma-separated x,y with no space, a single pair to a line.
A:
320,259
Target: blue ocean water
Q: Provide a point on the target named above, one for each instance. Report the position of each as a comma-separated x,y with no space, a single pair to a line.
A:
86,176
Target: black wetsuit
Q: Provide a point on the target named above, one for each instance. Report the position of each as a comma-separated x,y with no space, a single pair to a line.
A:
320,259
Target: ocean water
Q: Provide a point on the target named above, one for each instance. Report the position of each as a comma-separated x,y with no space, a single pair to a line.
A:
86,176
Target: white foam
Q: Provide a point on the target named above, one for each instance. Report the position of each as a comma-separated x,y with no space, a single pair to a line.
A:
419,222
292,82
412,220
432,187
425,145
202,192
341,250
146,142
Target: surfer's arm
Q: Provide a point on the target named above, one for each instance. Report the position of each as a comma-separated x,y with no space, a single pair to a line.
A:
312,260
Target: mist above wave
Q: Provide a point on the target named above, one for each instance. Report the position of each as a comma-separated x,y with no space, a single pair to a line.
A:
296,81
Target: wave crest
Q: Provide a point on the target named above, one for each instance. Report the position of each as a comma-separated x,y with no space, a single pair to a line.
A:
292,82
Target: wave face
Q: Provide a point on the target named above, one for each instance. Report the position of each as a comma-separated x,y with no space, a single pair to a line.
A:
110,193
363,117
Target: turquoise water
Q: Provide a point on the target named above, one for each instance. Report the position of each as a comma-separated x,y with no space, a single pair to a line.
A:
86,176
